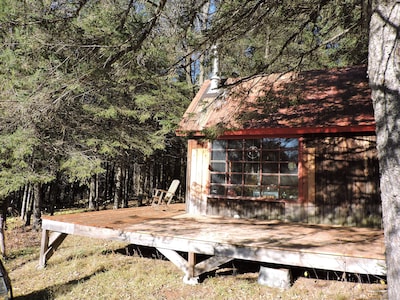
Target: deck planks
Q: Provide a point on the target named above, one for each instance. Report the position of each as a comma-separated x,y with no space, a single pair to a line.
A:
348,249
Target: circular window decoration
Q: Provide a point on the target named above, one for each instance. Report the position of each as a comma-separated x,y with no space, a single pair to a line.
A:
253,153
292,166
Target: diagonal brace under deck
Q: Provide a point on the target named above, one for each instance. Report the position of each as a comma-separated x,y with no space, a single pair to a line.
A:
49,244
189,266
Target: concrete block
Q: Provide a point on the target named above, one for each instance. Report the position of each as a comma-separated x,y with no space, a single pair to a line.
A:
190,280
276,278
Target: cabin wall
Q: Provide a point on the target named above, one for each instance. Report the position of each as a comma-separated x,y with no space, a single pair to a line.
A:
198,176
338,182
346,181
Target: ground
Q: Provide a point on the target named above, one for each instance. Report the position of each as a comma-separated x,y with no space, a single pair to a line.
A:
85,268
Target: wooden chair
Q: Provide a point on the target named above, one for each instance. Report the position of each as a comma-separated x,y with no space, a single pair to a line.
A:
163,196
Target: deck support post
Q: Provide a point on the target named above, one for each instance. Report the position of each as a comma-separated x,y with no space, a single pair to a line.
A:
191,264
49,244
189,277
44,244
192,269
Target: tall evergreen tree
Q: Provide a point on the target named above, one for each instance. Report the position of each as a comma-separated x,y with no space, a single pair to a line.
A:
278,36
83,82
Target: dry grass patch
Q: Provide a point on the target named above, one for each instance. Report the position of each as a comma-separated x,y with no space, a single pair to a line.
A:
84,268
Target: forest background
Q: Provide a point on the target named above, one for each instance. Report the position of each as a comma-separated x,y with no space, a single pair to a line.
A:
91,91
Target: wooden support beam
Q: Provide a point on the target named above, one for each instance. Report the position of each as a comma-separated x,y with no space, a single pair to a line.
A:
210,264
191,264
175,258
181,263
49,244
190,268
44,245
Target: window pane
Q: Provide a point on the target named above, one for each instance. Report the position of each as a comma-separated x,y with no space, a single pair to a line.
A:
251,191
219,145
270,156
290,193
252,168
235,155
270,193
217,178
252,143
290,155
289,168
251,179
270,180
252,154
270,143
236,179
270,168
289,143
218,155
233,191
218,166
217,190
237,167
238,190
235,144
289,180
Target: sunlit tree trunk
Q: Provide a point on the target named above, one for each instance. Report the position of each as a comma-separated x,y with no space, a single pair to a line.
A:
37,204
26,213
93,192
384,76
118,188
25,201
3,215
125,189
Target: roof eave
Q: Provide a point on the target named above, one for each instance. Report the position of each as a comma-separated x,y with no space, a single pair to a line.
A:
297,131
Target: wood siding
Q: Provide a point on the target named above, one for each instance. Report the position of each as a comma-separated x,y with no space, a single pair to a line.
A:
338,182
198,176
346,181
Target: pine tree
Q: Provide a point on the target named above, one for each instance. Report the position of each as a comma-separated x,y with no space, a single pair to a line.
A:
83,83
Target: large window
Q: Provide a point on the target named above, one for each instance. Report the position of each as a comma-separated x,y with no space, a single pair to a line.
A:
259,168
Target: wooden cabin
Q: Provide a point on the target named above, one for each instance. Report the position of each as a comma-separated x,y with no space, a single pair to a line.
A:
299,147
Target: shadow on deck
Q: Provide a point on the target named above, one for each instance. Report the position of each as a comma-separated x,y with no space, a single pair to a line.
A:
184,238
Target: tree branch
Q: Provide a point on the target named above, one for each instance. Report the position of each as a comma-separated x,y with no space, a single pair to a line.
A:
145,33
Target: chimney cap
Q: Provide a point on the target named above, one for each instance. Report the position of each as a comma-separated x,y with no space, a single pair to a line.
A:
215,79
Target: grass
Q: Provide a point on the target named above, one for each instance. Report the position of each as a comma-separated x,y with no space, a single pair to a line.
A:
84,268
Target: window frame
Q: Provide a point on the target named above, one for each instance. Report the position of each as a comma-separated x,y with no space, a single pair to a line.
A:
246,172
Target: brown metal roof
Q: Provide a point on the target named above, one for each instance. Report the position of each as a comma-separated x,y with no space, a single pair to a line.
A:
336,100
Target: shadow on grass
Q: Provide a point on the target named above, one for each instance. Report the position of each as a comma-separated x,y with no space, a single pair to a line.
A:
140,251
52,292
240,267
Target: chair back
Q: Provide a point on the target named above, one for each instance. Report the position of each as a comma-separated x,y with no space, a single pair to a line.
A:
173,187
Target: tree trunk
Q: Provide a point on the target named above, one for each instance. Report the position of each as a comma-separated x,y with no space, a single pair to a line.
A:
93,192
54,195
37,204
28,206
3,215
110,181
118,188
125,189
384,76
137,178
25,201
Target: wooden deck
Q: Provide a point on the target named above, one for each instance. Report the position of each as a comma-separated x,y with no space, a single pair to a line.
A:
172,231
